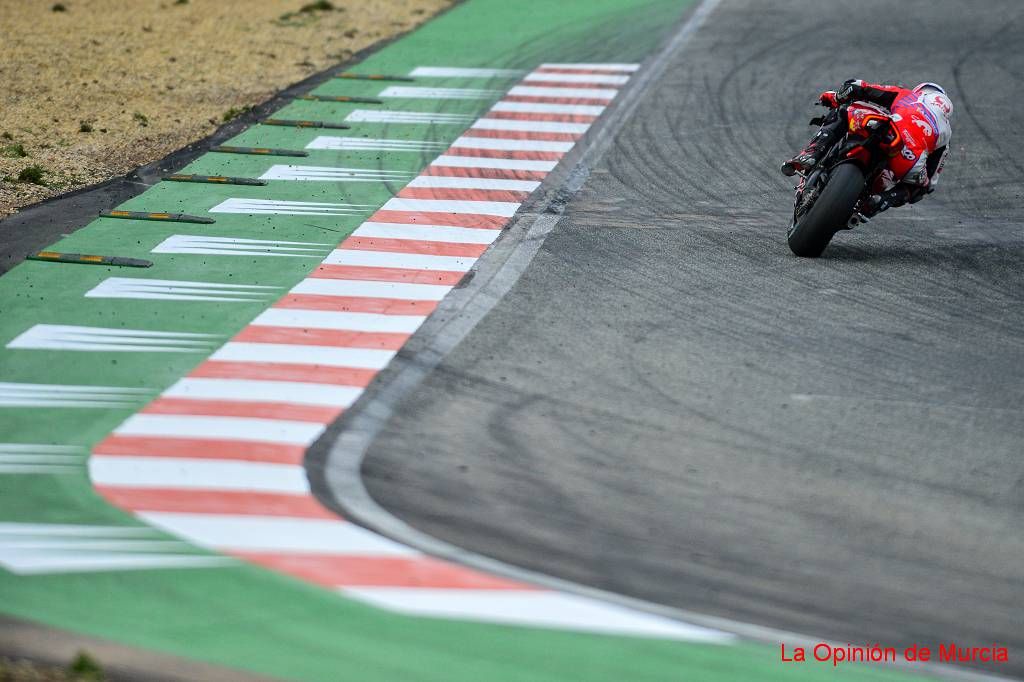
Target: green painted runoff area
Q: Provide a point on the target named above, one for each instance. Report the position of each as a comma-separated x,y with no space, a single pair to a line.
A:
240,615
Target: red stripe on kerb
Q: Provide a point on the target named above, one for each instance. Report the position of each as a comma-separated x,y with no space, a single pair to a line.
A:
505,154
365,571
199,448
532,116
538,99
214,502
356,304
522,135
322,337
271,371
362,272
495,173
413,246
476,220
320,414
462,194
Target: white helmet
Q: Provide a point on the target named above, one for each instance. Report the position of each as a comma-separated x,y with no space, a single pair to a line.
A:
937,102
933,96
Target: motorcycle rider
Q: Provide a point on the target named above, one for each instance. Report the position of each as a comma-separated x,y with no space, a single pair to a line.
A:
922,116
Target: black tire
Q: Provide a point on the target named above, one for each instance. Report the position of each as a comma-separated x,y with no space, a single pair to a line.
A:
829,214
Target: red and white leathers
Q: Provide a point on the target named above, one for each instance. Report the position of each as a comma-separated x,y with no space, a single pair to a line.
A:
922,117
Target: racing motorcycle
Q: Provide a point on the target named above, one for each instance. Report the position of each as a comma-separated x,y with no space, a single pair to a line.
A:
828,199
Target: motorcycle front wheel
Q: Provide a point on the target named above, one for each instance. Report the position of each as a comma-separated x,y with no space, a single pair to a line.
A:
831,211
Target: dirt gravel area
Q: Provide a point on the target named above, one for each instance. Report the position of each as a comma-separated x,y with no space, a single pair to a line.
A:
90,89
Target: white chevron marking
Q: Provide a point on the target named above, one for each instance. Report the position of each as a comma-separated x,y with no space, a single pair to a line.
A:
41,548
424,117
400,91
373,144
59,395
178,290
332,174
279,207
226,246
458,72
36,458
97,339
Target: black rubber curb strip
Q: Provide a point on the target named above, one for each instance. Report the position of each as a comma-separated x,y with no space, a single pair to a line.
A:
39,225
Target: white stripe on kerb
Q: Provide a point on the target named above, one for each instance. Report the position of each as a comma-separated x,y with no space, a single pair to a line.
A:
505,209
480,162
246,390
534,608
602,78
575,93
541,108
386,259
593,67
456,182
457,72
512,145
325,319
429,233
530,126
288,353
225,428
197,474
398,290
245,533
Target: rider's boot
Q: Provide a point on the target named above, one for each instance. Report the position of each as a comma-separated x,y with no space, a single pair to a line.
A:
811,155
876,203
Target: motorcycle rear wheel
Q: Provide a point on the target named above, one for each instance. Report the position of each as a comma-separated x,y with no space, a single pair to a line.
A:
814,230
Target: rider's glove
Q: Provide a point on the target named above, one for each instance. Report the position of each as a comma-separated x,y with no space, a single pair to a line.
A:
828,99
845,92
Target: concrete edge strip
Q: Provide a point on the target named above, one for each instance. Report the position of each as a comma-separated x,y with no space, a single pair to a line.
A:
335,461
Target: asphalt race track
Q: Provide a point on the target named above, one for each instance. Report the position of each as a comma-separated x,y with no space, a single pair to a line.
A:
671,406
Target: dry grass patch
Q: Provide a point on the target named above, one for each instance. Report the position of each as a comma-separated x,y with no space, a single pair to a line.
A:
94,88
